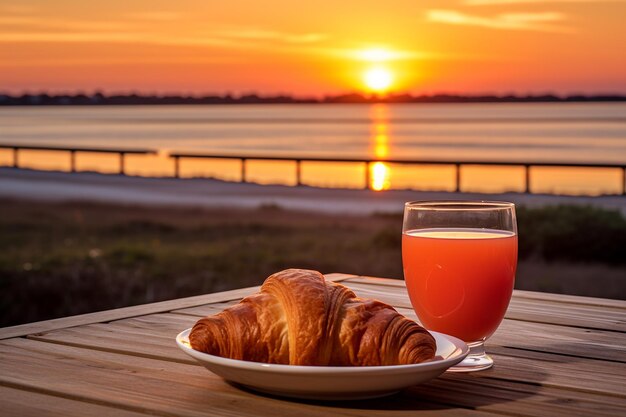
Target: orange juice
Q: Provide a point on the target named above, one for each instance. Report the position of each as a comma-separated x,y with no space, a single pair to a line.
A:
460,281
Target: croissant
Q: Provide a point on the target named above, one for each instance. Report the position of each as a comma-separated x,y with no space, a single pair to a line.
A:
299,318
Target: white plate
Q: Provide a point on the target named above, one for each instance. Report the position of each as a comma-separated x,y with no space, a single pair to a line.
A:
330,382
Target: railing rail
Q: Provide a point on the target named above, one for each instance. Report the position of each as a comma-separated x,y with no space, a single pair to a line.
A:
122,152
368,161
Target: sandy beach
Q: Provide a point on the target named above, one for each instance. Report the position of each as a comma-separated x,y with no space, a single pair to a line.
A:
51,186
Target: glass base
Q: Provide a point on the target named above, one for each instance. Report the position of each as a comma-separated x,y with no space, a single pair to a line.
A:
477,360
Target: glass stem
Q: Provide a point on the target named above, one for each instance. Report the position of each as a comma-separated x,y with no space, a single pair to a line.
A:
477,348
477,360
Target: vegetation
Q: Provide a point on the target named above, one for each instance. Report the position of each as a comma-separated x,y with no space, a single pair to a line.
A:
573,233
64,259
99,99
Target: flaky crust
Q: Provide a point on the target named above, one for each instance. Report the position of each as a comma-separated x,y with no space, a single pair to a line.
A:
299,318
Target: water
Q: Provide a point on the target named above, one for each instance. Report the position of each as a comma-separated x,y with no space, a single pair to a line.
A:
535,132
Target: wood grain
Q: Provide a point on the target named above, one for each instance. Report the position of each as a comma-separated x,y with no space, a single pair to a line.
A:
16,402
147,336
567,314
571,299
486,394
205,309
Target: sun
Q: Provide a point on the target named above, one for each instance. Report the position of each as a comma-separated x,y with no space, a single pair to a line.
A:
378,79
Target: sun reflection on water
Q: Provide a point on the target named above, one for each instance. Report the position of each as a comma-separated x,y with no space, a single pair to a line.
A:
380,172
380,176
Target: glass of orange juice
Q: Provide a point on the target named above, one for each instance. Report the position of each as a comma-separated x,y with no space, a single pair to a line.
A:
459,260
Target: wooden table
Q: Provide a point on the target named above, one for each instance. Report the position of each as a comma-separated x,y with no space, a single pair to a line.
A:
555,355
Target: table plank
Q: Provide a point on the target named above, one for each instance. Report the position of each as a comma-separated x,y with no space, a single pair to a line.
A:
16,402
147,336
572,299
557,371
481,392
205,309
567,314
139,310
389,282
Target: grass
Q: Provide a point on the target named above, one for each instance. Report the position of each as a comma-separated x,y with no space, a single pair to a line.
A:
63,259
573,233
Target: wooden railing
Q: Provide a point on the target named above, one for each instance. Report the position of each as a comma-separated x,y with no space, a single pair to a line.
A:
122,152
367,162
178,156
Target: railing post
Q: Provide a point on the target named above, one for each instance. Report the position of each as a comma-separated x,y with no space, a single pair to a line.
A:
243,170
16,161
122,164
527,179
72,161
367,175
458,178
176,167
298,173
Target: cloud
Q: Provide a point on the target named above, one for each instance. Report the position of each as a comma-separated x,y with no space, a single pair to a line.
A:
26,24
44,24
131,28
121,37
541,21
108,61
270,35
376,54
17,9
19,20
114,37
159,16
255,39
383,54
71,37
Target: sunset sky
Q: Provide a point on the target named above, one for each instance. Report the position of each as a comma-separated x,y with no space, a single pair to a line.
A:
313,47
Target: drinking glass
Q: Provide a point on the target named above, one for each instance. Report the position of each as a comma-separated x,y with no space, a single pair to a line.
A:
459,260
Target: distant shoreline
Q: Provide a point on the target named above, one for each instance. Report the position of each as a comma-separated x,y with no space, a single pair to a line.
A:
99,99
